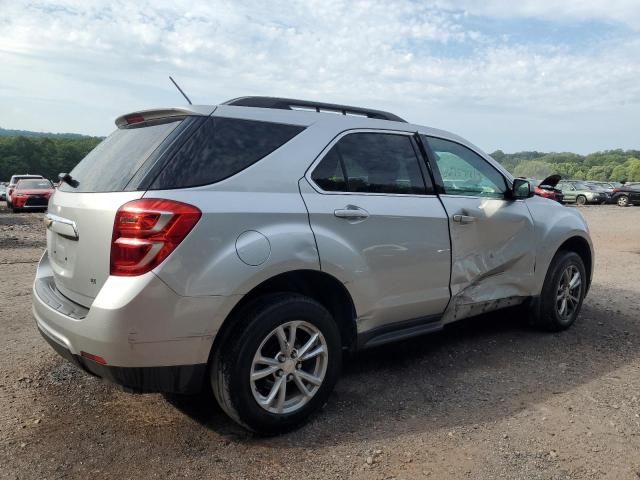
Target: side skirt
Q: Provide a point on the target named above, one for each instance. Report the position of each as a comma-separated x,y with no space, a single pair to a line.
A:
399,331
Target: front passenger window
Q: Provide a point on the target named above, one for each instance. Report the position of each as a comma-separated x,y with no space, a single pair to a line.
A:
464,172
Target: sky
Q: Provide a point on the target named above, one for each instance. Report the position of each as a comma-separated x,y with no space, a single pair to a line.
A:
512,75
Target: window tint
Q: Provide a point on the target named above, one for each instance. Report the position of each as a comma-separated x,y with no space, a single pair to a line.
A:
371,163
110,166
329,174
464,172
220,148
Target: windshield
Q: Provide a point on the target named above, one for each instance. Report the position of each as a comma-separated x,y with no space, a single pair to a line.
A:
34,185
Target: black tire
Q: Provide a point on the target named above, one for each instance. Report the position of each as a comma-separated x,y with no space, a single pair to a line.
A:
231,364
544,312
581,200
623,201
15,210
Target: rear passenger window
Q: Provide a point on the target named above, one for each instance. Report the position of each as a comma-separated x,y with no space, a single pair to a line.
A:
371,163
220,148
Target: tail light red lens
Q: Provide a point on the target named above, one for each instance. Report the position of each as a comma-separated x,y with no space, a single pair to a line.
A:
146,231
615,190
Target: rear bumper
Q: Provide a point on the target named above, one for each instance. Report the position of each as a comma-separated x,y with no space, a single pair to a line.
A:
185,379
151,338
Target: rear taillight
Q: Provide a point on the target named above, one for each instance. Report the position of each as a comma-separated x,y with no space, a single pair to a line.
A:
616,190
146,231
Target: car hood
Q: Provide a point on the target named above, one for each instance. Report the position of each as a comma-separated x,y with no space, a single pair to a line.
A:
551,180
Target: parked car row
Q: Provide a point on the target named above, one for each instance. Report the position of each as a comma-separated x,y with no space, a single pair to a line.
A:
27,192
583,192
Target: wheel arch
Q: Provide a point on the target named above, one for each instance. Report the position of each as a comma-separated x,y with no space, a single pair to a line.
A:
322,287
580,246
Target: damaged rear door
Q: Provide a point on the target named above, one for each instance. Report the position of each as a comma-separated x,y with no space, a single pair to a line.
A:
492,237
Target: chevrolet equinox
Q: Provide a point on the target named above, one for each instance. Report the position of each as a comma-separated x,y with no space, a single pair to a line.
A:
246,245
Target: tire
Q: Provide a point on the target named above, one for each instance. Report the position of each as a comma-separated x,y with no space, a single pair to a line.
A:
581,200
234,364
15,210
546,313
623,201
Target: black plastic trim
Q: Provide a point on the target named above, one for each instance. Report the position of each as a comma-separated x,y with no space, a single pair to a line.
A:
288,103
399,331
182,379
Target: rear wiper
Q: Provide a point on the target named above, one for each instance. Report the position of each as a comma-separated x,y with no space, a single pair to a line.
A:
65,177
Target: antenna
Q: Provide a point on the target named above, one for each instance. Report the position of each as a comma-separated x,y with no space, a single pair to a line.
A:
180,90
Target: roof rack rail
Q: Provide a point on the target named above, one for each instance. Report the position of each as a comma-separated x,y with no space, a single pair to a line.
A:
306,105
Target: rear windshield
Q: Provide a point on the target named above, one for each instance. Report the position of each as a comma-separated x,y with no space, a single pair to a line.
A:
33,184
220,148
112,164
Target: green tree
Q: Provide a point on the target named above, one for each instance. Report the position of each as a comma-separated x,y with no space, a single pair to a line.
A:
533,169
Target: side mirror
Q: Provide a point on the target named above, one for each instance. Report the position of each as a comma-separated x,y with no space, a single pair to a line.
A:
521,189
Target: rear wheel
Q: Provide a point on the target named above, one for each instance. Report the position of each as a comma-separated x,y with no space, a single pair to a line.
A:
279,365
562,293
15,209
581,200
623,201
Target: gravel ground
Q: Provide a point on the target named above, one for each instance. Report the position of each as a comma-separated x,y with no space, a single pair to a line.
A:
486,398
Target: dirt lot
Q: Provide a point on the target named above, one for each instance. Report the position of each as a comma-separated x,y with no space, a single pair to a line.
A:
487,398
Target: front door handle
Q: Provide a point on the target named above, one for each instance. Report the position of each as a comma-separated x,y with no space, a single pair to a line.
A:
351,212
464,219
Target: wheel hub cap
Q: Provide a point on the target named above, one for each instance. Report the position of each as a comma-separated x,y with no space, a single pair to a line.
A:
289,367
569,292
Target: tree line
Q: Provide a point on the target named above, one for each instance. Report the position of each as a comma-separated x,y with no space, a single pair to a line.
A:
610,165
46,156
50,155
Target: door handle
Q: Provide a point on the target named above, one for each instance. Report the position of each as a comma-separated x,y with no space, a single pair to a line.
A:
351,213
464,219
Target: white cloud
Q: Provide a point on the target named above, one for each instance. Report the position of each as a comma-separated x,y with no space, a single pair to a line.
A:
75,65
626,12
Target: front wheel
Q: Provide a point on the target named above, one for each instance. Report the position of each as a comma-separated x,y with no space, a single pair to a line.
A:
280,364
623,201
562,293
581,200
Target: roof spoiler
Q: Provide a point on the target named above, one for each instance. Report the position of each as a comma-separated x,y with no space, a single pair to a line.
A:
152,116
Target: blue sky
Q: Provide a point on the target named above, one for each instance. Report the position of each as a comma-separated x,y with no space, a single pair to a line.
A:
526,75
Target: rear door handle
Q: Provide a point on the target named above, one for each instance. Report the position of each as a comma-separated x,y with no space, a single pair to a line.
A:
464,219
351,213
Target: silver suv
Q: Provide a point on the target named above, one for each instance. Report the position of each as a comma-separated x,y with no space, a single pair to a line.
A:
245,246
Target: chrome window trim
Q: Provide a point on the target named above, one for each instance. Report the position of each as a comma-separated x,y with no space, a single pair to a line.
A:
335,140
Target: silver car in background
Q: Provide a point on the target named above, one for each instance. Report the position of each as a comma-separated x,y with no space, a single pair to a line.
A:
246,245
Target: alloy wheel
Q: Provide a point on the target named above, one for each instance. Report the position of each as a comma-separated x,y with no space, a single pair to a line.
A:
568,292
289,367
623,201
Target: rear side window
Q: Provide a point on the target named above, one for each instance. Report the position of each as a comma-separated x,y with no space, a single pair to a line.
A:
220,148
371,163
112,164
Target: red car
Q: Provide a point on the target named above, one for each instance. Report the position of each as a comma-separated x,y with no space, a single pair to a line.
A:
546,188
31,194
